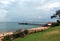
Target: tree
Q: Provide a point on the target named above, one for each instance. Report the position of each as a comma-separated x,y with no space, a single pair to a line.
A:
57,16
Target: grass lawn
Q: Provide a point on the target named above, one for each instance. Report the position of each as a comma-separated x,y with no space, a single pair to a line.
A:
52,34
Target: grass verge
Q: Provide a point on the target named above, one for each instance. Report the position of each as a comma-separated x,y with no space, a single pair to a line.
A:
52,34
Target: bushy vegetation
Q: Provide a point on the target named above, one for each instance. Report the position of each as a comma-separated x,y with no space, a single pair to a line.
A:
17,34
54,24
8,38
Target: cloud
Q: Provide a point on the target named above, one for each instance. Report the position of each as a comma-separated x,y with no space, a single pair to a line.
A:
4,4
17,10
24,9
3,13
35,17
29,2
49,6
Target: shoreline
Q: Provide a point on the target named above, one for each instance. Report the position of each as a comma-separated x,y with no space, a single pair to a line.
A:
11,32
31,30
5,33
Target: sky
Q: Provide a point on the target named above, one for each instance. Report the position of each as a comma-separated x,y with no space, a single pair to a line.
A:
28,10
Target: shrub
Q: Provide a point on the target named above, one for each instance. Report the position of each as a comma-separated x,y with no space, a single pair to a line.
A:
22,34
26,32
15,36
54,24
6,38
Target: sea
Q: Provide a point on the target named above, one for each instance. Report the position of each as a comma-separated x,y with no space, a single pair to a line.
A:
13,26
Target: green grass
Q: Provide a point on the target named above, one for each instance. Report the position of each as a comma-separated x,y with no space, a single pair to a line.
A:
52,34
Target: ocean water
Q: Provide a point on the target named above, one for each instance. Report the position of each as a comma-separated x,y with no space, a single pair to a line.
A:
13,26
